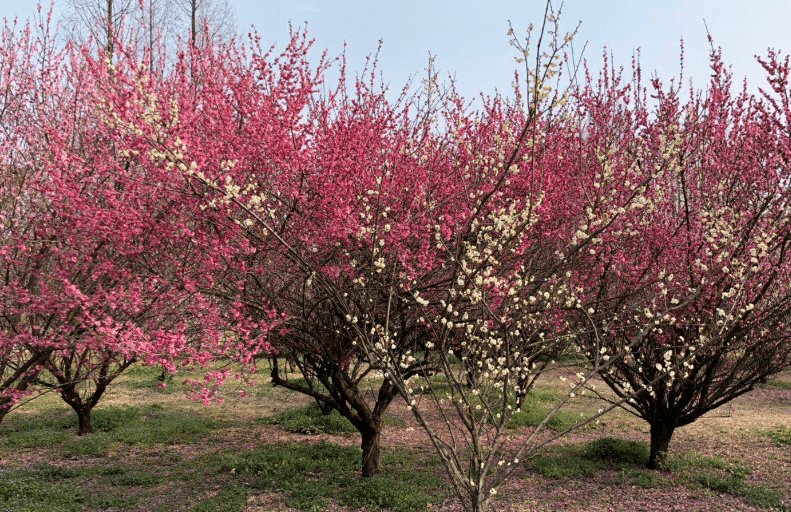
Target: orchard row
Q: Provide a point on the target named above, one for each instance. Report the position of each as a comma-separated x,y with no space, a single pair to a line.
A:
240,204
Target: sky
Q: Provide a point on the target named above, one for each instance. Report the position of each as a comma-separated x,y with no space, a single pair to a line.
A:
470,42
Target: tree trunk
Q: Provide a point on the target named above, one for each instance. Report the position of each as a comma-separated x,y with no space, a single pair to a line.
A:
84,420
661,433
478,502
5,406
370,446
82,407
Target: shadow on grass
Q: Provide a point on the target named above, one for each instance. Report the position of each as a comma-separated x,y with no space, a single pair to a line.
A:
586,460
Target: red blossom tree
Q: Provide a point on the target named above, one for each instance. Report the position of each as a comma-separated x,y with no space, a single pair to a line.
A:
28,60
702,278
316,165
105,258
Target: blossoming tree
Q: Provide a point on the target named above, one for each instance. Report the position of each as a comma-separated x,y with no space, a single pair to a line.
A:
104,256
703,280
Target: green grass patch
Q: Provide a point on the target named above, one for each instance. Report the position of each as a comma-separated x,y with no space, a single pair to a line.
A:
537,406
395,421
735,485
780,435
33,490
585,460
91,445
436,384
167,427
138,479
310,420
141,376
42,431
146,425
311,475
36,438
533,416
691,461
776,384
565,463
638,477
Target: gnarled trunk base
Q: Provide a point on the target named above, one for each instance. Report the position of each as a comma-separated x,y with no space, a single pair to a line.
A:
661,433
84,421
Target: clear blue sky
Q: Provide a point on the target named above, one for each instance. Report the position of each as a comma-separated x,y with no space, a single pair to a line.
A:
469,36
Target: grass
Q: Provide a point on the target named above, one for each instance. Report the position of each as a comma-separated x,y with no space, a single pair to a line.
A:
117,485
313,474
436,383
146,425
725,477
735,485
780,435
126,461
586,460
775,383
537,406
628,458
229,499
151,451
616,451
692,462
564,462
310,420
37,490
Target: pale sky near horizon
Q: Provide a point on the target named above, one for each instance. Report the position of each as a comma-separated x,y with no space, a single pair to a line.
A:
469,37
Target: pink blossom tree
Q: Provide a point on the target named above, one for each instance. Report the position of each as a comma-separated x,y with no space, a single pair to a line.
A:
28,59
104,252
702,277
